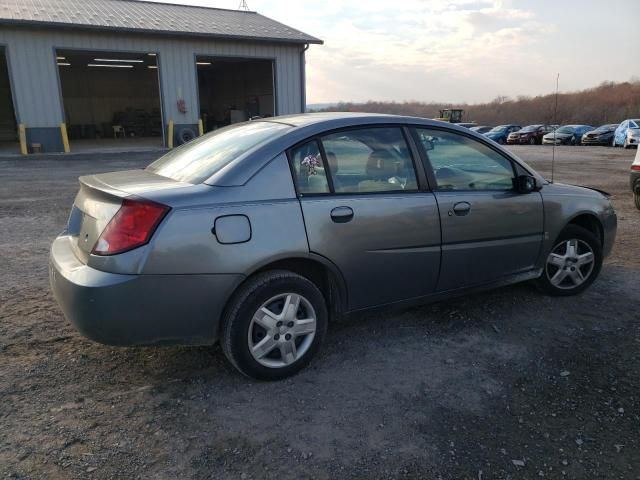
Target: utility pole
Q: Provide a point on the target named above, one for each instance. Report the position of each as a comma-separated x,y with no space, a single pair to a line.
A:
243,5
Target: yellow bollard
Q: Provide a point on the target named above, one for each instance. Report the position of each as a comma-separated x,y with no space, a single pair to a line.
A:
200,128
22,134
170,134
65,137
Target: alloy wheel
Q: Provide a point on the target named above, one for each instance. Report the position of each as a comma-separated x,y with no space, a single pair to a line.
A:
570,264
282,330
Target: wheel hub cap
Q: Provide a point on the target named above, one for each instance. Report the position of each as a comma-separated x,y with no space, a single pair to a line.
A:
282,330
570,264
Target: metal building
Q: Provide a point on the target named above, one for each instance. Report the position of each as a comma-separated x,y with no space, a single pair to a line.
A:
115,72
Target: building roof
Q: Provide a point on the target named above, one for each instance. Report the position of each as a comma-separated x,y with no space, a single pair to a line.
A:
149,17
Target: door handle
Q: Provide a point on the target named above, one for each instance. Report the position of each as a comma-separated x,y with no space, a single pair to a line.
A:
341,214
461,208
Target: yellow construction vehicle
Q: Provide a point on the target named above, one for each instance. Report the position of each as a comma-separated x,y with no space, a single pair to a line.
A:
451,115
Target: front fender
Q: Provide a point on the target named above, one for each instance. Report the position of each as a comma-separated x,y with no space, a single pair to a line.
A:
564,204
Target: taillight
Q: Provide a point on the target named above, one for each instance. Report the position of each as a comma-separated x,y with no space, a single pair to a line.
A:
131,227
636,167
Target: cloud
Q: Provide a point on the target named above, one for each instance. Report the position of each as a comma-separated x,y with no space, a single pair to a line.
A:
403,53
449,50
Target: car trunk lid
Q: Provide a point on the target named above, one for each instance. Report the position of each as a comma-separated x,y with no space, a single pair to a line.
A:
99,199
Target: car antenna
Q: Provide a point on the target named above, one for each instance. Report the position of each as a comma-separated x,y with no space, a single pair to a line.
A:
555,122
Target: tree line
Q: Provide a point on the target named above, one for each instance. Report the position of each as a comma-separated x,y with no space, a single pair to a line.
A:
609,102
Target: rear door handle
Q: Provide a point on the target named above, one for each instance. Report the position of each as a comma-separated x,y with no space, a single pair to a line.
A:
462,208
341,214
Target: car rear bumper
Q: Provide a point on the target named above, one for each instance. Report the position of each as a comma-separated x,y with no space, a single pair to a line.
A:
634,182
119,309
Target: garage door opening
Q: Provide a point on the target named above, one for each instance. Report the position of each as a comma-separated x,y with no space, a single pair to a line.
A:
8,125
111,100
234,90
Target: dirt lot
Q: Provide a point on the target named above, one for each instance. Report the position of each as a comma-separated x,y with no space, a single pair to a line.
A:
506,384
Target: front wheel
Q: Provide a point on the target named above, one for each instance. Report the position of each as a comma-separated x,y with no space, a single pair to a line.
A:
532,141
573,263
274,325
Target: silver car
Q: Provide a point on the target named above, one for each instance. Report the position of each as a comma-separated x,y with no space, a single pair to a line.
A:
259,234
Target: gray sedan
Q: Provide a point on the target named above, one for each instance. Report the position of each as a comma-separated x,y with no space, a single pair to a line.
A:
259,234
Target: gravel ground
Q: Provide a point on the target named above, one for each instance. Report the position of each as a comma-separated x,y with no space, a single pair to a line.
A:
505,384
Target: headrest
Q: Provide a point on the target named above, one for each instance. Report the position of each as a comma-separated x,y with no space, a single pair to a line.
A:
381,165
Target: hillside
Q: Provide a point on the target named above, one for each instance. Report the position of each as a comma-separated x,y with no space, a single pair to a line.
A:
607,103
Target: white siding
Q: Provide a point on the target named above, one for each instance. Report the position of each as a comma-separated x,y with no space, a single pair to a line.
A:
35,83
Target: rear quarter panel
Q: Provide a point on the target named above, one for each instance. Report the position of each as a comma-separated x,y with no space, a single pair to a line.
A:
186,244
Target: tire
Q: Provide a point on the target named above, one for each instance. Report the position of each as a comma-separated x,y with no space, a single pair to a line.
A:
613,142
636,200
241,333
532,141
586,242
501,141
573,141
185,135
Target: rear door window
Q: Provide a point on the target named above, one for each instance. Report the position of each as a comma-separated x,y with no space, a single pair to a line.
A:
368,160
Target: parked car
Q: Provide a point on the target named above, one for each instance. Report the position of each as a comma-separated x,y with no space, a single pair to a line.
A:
257,234
566,135
635,180
627,134
602,135
531,134
481,129
500,133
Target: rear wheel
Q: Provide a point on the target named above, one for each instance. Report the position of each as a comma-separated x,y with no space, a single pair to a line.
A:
532,141
636,200
573,263
274,325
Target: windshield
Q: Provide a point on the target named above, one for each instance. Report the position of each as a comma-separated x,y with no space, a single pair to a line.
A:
565,130
636,121
530,128
196,161
498,129
606,128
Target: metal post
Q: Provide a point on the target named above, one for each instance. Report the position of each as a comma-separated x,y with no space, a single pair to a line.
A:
65,137
22,134
170,135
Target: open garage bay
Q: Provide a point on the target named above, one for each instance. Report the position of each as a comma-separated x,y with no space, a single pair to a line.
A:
505,384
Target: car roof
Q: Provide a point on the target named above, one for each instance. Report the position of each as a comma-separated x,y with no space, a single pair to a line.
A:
309,125
326,118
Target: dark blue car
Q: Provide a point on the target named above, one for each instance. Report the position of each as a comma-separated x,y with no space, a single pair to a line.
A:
500,133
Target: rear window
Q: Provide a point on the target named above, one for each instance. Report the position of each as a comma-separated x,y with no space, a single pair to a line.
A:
196,161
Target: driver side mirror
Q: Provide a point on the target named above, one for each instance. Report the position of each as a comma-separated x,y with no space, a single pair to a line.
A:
525,184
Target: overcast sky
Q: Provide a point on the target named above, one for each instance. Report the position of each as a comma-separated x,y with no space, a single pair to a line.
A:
458,50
